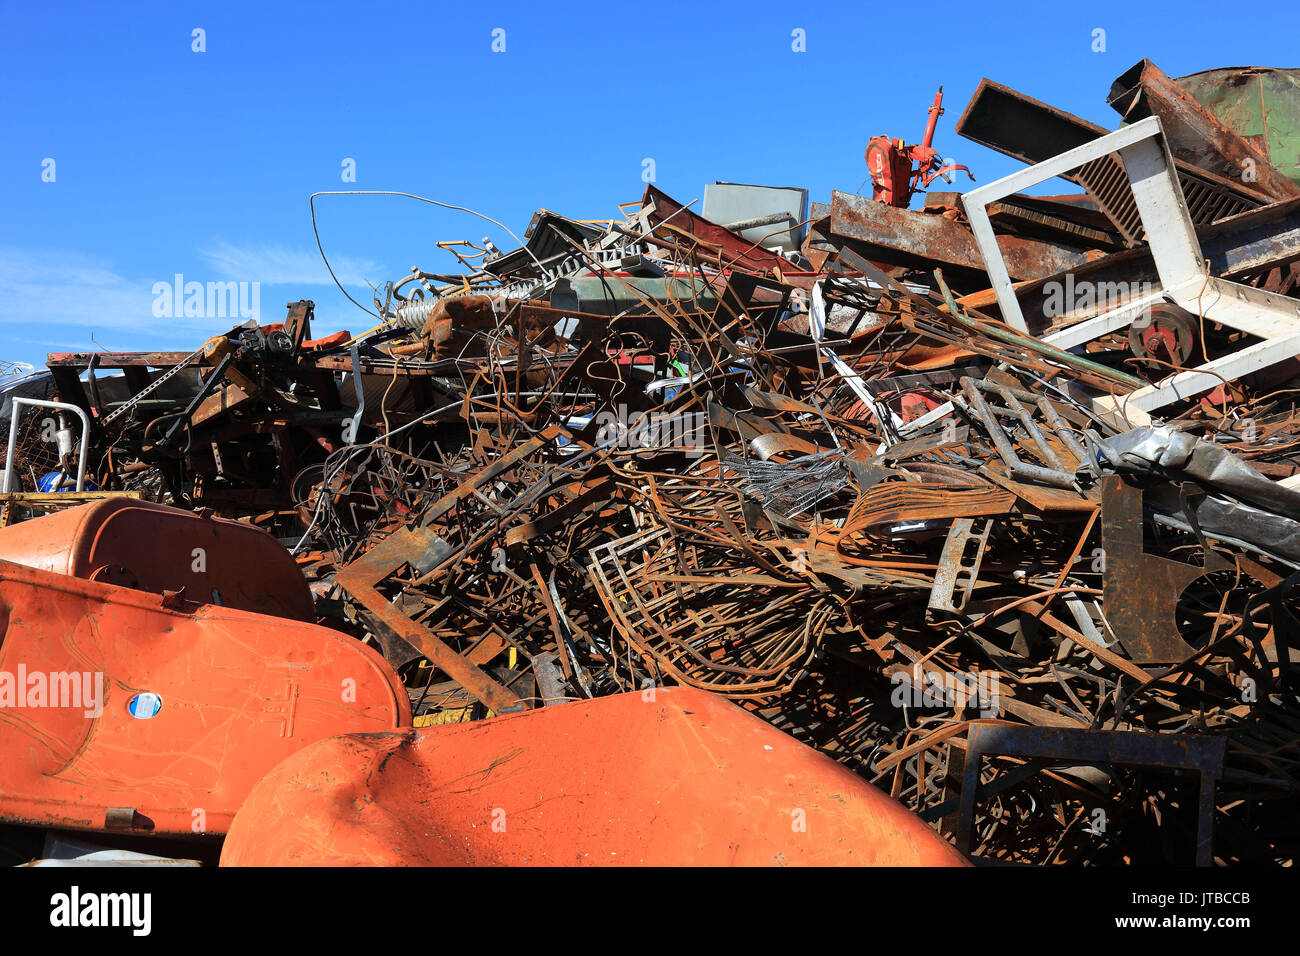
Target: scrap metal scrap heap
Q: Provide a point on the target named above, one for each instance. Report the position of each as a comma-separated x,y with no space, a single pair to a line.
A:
995,502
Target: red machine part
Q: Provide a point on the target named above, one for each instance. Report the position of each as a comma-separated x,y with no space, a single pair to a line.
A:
891,170
911,405
1167,333
133,712
157,548
898,172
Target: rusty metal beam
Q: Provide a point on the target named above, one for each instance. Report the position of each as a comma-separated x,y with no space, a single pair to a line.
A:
883,233
359,580
121,359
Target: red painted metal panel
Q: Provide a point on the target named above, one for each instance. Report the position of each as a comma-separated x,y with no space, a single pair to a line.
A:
158,548
670,777
235,694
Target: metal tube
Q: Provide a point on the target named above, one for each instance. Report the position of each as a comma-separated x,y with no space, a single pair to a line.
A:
13,437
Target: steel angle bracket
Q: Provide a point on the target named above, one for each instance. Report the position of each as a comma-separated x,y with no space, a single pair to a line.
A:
1272,318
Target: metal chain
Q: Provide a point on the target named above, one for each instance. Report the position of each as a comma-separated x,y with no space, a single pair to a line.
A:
131,402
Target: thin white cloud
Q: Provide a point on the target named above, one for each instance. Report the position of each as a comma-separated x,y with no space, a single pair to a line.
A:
60,301
276,264
56,301
68,289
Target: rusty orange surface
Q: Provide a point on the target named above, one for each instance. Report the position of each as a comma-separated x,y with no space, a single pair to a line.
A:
237,693
677,777
153,547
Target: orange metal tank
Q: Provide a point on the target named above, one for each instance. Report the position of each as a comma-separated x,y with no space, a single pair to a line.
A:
119,712
153,547
674,777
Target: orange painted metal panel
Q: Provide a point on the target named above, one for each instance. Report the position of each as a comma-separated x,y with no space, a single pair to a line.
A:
677,777
197,703
153,547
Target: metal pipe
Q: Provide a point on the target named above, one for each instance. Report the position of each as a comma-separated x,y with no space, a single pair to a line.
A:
13,437
772,219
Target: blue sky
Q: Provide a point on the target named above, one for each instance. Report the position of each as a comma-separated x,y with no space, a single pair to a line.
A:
168,160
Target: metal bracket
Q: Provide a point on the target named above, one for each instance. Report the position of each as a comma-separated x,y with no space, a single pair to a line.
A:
1141,590
955,569
353,425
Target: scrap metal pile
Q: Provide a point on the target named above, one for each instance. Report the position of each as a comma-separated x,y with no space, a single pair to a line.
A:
995,502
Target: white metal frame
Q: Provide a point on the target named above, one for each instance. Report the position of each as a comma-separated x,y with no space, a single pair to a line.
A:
13,436
1179,264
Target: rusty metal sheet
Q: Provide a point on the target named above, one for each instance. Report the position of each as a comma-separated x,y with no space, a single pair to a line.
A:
1142,590
882,232
1195,135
